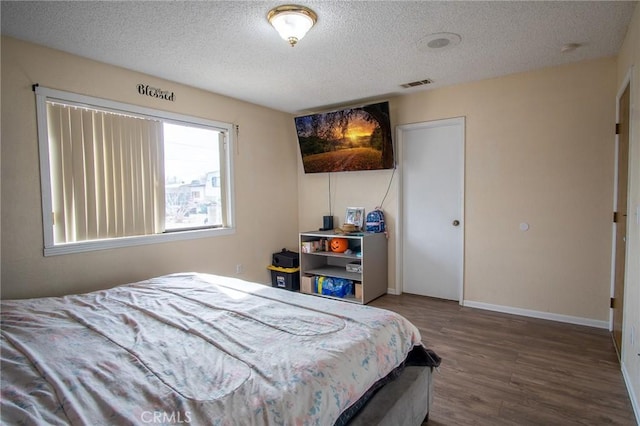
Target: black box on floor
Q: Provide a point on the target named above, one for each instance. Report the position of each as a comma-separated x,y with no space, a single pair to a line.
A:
286,278
286,259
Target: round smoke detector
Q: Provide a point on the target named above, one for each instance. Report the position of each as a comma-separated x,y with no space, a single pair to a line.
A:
438,42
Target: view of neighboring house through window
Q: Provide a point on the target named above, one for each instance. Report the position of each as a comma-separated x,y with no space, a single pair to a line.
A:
192,173
116,175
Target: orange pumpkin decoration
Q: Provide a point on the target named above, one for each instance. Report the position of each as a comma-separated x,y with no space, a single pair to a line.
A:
339,245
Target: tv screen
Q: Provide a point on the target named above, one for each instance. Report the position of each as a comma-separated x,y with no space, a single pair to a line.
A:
346,140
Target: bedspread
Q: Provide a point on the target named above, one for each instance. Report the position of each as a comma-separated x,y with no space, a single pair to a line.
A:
193,348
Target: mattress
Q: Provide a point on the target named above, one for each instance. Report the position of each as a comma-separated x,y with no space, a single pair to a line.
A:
196,348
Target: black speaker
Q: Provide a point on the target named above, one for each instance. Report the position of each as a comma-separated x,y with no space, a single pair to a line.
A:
327,223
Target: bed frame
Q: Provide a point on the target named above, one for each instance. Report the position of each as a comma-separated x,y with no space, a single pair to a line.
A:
403,402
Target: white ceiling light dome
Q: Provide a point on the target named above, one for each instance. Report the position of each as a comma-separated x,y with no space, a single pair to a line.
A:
292,21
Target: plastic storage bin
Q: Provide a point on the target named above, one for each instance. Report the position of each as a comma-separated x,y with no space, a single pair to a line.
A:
286,278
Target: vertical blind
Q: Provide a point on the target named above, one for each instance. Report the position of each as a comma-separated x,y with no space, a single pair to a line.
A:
107,174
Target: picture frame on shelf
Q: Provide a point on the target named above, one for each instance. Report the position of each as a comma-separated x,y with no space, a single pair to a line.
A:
354,216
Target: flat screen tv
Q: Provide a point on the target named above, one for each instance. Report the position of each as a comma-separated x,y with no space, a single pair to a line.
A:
346,140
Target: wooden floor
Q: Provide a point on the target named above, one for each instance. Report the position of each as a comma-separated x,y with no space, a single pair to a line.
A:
500,369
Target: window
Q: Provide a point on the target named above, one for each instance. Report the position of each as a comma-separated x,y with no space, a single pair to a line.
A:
116,175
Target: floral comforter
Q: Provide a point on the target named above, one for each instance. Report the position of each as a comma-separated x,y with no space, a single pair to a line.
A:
193,349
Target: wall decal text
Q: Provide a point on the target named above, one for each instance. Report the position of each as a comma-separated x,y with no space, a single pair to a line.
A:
154,92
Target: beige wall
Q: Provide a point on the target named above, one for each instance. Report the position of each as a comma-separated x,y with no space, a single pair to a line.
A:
539,149
629,63
265,181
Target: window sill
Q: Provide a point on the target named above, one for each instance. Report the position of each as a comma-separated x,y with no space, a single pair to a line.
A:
94,245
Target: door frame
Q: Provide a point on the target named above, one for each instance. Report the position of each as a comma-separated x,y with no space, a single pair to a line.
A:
627,81
399,226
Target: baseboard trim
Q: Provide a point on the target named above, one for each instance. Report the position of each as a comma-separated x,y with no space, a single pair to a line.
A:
537,314
632,393
392,291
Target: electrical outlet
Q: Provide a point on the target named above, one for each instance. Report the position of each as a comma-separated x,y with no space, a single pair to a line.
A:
239,268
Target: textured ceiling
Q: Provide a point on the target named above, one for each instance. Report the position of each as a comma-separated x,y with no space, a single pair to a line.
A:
358,50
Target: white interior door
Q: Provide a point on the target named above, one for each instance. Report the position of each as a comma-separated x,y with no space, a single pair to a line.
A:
432,156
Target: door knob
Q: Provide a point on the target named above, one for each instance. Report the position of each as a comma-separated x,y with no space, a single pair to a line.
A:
456,222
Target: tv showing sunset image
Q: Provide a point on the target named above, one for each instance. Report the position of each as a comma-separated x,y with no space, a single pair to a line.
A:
346,140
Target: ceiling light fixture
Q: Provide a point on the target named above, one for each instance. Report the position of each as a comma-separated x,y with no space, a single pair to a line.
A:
292,21
438,41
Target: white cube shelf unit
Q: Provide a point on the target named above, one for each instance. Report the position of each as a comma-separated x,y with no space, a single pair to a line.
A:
368,248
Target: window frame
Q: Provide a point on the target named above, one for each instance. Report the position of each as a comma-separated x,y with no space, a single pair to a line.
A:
44,94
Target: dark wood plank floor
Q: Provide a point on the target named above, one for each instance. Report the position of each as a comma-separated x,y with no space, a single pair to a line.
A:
500,369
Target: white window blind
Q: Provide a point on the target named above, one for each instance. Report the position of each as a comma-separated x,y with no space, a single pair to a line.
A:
106,174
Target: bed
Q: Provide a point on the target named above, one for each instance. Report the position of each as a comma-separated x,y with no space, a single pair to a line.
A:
204,349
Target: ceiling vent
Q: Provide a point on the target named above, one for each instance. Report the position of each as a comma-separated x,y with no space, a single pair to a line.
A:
416,83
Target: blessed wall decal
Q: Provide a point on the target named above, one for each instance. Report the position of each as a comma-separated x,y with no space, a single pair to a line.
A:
154,92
